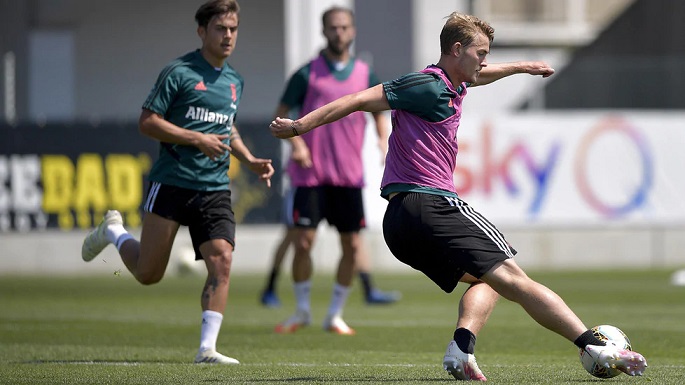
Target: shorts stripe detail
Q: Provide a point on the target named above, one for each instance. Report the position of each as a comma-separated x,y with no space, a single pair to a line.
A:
484,225
151,196
289,201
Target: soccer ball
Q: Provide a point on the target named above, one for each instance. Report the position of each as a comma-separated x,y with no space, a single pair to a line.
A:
610,335
186,264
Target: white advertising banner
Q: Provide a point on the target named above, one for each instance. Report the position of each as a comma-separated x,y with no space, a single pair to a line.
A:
571,168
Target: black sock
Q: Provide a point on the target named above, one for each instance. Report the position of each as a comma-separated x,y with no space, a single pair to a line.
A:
366,282
465,340
272,280
588,338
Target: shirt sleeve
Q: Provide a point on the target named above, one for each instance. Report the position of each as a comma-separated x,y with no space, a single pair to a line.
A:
240,97
163,93
296,89
421,94
373,79
414,92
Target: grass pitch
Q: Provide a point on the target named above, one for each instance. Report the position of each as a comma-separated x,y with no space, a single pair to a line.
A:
110,330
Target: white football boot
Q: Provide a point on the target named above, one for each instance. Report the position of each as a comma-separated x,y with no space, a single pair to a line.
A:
462,366
211,356
296,321
96,240
610,356
337,326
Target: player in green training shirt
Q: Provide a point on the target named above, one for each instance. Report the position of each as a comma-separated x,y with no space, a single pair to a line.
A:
191,111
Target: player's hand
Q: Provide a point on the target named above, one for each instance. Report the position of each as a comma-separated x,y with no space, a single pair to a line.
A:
283,128
301,155
540,68
213,145
263,168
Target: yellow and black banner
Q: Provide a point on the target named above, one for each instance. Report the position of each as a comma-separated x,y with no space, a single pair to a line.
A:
67,176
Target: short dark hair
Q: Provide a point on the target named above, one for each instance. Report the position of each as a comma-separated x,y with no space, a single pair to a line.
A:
215,7
335,9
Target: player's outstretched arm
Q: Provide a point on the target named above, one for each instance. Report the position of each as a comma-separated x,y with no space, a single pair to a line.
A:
496,71
369,100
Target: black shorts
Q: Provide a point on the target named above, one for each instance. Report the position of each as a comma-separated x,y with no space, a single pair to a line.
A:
342,207
208,214
442,237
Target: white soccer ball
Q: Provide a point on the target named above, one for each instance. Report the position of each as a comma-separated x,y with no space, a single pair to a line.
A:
186,263
610,335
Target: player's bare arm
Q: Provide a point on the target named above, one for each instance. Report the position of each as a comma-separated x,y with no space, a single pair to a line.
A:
259,166
495,71
370,100
382,125
299,151
155,126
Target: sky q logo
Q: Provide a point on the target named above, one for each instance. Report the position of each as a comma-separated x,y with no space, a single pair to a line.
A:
635,198
608,167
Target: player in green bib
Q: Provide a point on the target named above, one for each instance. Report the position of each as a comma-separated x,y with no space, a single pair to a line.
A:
191,111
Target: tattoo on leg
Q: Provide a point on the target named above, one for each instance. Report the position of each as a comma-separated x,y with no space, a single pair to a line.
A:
213,282
210,288
205,292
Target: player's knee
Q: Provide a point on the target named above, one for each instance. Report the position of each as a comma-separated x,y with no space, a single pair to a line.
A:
517,289
149,277
303,247
219,265
304,242
513,287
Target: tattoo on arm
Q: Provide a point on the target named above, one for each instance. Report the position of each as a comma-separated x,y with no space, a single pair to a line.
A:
234,134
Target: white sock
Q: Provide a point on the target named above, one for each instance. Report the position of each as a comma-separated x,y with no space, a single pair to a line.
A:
211,324
338,299
113,232
302,295
123,238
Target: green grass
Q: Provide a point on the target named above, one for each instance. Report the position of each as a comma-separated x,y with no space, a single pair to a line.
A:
111,330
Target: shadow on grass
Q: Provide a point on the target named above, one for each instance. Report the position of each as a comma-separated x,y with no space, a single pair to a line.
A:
91,362
323,379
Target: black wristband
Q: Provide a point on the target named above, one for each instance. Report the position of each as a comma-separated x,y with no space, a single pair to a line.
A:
295,133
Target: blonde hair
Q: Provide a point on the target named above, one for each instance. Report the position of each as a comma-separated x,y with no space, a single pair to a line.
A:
463,28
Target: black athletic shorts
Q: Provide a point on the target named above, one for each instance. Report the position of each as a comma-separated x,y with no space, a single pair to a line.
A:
442,237
208,214
342,207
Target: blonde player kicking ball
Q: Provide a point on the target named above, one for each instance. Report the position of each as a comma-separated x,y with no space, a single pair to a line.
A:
426,224
190,111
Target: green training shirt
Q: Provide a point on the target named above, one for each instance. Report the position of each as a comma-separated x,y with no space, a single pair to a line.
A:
194,95
422,94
